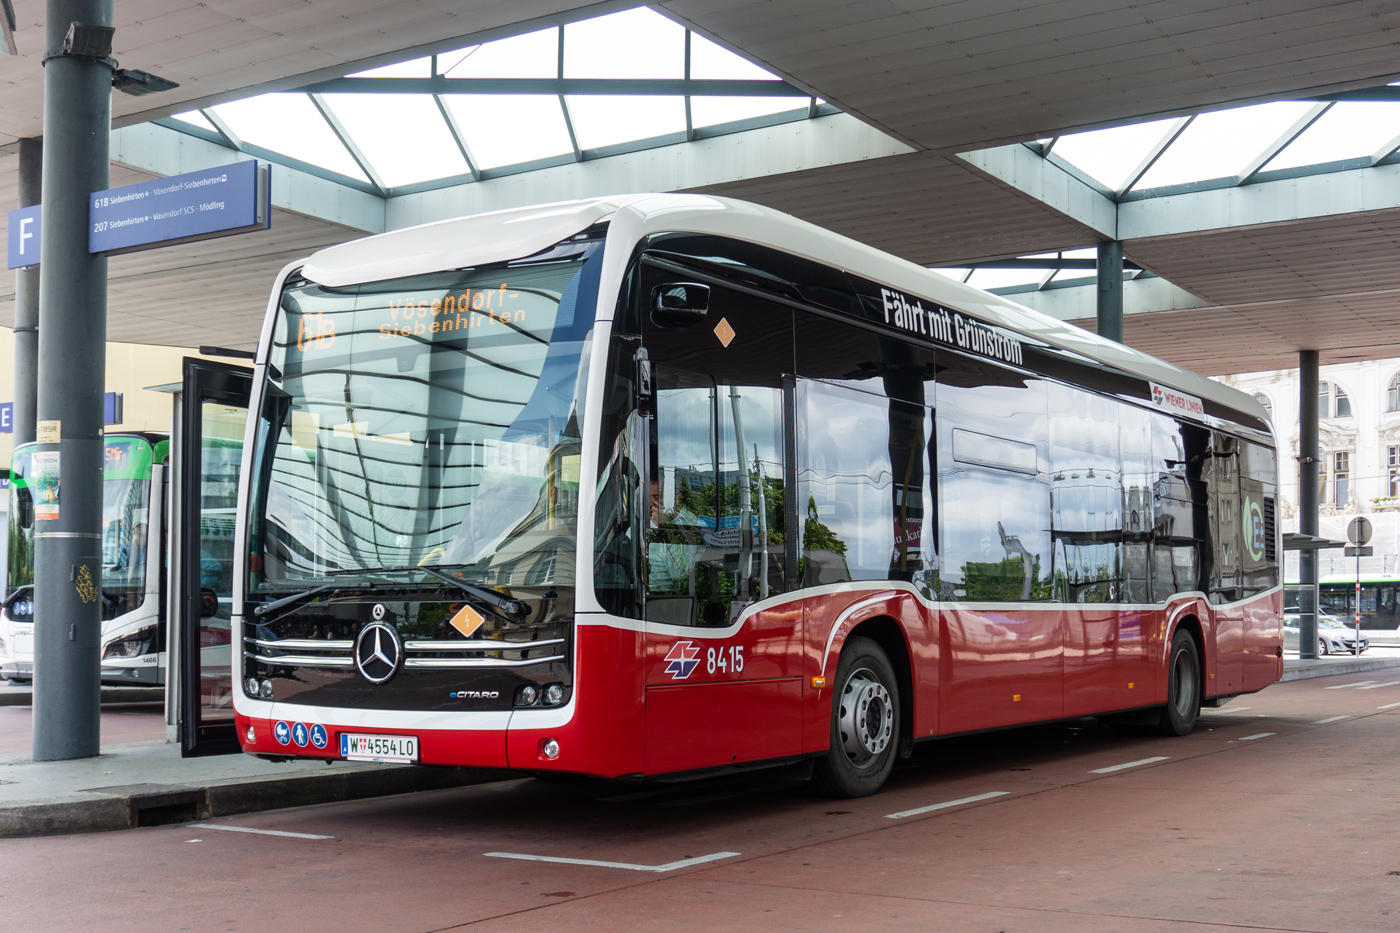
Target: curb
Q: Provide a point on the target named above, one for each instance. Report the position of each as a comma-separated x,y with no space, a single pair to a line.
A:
109,695
1306,670
162,804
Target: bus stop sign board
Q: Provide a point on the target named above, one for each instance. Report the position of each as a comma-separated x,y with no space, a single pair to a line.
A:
214,202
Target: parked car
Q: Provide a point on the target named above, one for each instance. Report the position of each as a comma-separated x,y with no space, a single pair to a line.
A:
1333,636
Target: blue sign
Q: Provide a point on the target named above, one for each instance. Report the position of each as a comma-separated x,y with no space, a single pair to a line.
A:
7,417
318,735
24,237
214,202
283,732
299,734
112,408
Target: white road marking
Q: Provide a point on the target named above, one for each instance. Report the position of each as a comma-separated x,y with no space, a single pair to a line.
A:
945,804
1250,738
1323,722
1231,709
1388,706
1359,683
260,832
1392,683
669,866
1130,764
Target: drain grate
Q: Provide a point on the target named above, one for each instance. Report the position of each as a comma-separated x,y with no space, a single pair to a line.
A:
158,804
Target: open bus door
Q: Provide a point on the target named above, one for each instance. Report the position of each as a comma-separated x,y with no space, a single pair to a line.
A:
211,412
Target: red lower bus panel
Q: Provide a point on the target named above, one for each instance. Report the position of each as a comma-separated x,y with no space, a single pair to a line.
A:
1263,634
605,734
1001,667
1229,649
706,725
1113,659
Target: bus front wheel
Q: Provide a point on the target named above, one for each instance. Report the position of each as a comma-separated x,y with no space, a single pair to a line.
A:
864,723
1183,686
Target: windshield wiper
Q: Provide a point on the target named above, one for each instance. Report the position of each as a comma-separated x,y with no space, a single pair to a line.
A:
276,604
512,610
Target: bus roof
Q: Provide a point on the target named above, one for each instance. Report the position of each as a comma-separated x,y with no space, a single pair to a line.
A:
498,236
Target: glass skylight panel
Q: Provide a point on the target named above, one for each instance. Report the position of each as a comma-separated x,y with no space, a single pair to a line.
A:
417,68
446,61
195,118
1348,130
638,43
1222,144
507,129
403,135
711,62
1109,156
289,124
605,120
533,55
709,111
1005,278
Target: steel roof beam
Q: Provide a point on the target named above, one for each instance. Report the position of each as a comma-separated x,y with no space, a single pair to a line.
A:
1053,184
1169,137
348,142
1287,136
631,87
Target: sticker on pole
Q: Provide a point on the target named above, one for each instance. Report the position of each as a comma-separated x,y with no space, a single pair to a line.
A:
44,480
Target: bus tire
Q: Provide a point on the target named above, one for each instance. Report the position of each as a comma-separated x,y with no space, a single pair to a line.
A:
864,723
1183,686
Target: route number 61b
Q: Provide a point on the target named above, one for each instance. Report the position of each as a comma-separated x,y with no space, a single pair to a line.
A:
729,660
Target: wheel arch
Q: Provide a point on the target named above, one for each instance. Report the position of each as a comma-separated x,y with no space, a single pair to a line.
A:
1192,625
887,633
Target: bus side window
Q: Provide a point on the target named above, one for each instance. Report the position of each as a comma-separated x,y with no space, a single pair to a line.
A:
993,483
616,558
1175,548
861,486
1135,444
1086,492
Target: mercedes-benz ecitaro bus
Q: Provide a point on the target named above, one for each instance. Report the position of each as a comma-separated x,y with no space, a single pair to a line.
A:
662,485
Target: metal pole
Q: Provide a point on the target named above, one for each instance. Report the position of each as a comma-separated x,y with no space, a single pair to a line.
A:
31,168
72,342
1307,500
1110,280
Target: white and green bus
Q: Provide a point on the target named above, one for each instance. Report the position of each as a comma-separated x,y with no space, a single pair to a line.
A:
133,581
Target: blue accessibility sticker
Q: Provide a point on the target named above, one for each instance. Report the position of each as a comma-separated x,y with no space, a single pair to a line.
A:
299,735
318,735
283,732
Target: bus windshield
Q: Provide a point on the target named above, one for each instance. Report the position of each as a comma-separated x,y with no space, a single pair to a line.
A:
126,500
424,421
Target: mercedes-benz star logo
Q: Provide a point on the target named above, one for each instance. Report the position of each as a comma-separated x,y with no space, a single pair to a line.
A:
378,611
378,652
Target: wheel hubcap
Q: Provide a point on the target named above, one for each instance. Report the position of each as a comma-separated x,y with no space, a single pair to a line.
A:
867,718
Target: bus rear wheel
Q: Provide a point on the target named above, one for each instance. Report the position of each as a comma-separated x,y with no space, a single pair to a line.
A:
1183,686
864,723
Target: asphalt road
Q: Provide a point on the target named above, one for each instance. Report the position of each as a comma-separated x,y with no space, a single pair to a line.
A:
1278,813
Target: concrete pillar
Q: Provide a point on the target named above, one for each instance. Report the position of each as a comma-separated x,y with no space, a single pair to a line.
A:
1307,500
72,339
1110,279
31,155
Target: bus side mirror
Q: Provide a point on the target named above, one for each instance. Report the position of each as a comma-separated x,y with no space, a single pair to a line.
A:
679,304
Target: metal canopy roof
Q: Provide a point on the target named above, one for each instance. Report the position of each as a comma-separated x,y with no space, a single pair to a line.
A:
950,79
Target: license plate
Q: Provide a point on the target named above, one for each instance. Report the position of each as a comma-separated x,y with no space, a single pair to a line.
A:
360,747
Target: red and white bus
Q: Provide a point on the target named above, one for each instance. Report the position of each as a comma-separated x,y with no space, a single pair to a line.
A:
670,484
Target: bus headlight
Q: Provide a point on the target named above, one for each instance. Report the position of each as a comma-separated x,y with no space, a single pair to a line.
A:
266,691
250,686
527,695
553,694
131,646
